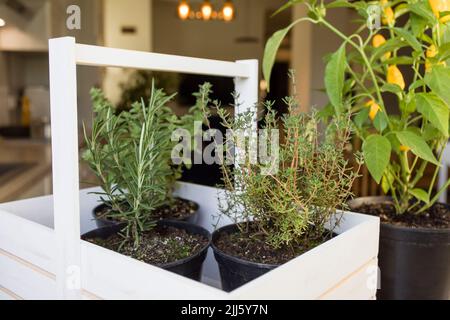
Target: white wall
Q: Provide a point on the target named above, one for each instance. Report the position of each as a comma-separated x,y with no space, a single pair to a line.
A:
311,43
118,14
212,39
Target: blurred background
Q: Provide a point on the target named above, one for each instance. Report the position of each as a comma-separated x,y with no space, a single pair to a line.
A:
216,29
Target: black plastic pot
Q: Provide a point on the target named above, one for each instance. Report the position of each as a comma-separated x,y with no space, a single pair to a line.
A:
190,267
235,272
414,262
105,221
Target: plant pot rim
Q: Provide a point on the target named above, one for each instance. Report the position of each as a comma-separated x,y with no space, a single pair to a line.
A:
227,256
174,223
105,204
395,227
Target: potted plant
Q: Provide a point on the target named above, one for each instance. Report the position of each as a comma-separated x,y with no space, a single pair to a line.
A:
285,204
103,153
402,139
130,153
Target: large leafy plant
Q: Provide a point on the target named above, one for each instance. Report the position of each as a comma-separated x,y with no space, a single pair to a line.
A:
402,139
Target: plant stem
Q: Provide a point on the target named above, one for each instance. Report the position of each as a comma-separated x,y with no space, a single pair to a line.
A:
366,61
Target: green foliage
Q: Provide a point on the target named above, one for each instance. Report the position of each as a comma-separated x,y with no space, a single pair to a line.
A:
291,205
138,86
130,152
334,78
377,152
399,140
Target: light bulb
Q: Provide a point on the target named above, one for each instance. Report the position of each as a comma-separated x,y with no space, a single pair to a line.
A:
2,22
183,10
228,11
206,10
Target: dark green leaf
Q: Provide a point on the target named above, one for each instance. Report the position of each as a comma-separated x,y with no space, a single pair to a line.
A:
422,9
410,38
380,121
389,45
361,117
438,80
334,78
418,145
420,194
434,110
399,60
377,153
389,87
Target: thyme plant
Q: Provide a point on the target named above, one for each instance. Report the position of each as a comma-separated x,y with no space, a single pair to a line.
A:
400,140
292,204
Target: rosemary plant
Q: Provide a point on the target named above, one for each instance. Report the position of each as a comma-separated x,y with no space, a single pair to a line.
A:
130,152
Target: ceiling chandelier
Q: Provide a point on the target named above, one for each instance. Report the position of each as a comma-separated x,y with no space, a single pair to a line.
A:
206,12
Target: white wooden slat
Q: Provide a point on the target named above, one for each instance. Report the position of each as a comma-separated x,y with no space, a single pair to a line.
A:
5,294
358,286
247,90
63,102
28,240
111,57
24,279
110,275
313,273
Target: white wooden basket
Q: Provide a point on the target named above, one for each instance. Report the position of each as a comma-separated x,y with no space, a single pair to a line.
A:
42,256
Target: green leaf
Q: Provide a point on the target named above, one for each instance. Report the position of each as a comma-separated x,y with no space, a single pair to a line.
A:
271,49
438,80
398,60
361,117
389,45
326,112
410,38
434,110
380,121
401,9
408,105
416,84
389,87
418,145
287,5
418,24
334,78
445,33
339,4
420,194
377,153
422,9
431,133
387,181
444,52
395,144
